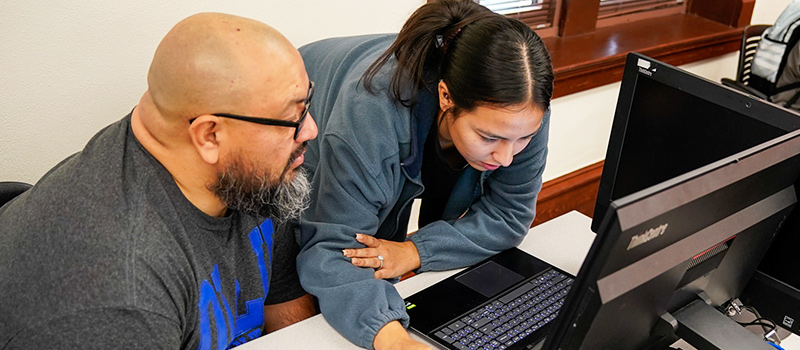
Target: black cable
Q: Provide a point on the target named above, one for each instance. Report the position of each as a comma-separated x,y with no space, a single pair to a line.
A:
759,317
762,324
767,325
753,310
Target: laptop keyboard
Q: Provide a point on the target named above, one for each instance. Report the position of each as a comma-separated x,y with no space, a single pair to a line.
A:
508,319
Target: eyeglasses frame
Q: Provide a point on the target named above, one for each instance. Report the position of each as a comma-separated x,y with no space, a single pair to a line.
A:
276,122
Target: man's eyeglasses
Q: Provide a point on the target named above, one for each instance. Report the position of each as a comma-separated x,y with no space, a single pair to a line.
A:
277,122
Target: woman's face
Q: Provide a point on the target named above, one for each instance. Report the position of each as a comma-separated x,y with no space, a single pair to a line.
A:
489,137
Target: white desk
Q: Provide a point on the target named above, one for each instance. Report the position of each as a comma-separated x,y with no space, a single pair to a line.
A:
562,242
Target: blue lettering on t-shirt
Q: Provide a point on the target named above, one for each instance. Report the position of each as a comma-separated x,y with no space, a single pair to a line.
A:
262,236
209,300
249,325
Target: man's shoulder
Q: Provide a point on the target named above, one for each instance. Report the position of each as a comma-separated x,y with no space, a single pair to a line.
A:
88,213
77,265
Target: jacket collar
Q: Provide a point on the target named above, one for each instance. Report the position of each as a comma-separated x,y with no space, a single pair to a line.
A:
423,115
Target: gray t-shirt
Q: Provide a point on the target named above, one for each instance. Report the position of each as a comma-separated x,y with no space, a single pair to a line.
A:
106,253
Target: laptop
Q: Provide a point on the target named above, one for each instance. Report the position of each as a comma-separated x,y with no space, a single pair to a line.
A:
505,302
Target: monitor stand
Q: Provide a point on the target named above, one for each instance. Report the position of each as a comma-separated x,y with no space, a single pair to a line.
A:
705,328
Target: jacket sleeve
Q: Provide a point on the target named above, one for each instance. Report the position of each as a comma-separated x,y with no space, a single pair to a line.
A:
497,221
347,195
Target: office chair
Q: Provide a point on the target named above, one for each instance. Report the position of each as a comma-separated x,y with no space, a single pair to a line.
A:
757,84
11,189
745,81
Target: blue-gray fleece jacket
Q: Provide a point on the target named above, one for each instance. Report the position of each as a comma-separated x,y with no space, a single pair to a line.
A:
365,171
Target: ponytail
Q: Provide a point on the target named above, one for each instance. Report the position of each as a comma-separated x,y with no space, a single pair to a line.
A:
421,45
483,57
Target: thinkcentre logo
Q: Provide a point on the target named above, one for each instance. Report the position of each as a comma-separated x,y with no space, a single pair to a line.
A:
647,236
644,67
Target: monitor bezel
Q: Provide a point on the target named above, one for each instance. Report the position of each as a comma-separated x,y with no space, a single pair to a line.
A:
688,82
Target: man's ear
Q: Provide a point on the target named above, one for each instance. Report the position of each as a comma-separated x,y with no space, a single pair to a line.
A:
445,102
204,134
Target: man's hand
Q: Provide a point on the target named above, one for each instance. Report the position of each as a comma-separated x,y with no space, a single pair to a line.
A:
393,336
398,257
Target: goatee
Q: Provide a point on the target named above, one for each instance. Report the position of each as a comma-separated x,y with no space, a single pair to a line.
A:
241,189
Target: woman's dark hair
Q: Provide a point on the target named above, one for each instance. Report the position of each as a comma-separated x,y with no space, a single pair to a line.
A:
484,58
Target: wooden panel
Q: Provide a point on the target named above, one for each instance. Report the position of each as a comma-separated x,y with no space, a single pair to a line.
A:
578,17
722,11
598,58
735,13
747,13
574,191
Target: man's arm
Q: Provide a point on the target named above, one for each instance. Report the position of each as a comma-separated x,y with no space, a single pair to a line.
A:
283,314
287,302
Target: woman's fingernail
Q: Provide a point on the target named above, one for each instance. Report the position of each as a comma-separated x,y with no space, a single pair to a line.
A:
345,252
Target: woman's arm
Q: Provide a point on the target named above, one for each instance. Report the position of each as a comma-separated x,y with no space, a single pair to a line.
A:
498,220
348,195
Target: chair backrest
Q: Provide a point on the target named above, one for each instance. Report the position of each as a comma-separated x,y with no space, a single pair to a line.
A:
750,38
11,189
776,45
745,80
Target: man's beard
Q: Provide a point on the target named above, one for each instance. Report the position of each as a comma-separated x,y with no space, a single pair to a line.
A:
244,189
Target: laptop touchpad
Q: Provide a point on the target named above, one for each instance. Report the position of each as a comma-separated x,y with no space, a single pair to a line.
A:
489,278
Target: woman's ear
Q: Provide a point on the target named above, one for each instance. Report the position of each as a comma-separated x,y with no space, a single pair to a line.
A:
204,132
445,102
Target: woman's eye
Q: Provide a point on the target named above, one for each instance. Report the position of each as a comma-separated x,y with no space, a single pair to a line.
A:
488,139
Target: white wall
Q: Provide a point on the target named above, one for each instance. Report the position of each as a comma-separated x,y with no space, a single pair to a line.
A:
67,69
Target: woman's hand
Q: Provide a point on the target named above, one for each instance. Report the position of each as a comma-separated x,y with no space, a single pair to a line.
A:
389,259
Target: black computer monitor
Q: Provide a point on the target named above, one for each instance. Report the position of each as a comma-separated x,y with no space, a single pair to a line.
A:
669,122
698,180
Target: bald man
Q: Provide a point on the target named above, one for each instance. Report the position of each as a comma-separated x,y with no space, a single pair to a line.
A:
159,234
